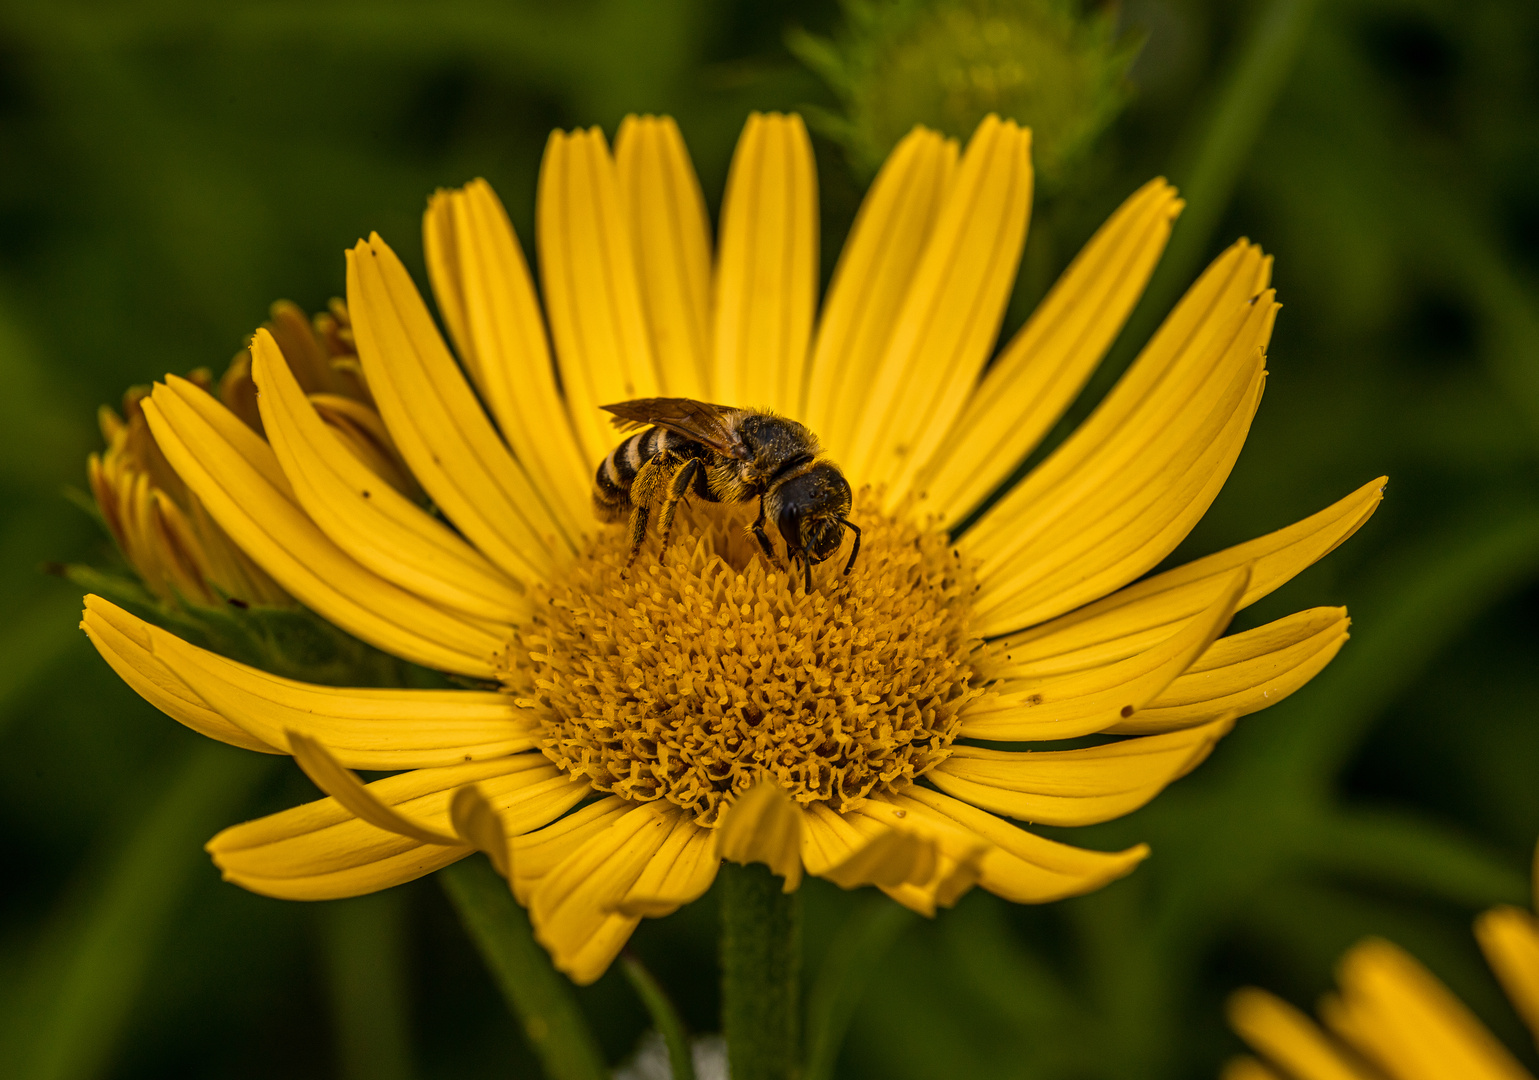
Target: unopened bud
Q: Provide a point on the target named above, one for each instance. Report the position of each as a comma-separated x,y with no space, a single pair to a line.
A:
947,64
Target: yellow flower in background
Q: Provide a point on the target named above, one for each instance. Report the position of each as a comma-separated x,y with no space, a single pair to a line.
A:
703,705
1392,1019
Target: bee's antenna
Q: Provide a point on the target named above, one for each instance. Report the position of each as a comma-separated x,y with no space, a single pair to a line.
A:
807,572
856,549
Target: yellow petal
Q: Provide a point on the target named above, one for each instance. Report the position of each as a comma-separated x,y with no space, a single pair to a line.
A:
875,268
487,298
1183,354
604,943
363,433
369,520
1132,619
853,851
477,822
1510,939
1123,544
681,871
764,825
576,901
1045,366
1097,698
959,853
946,327
672,239
230,429
1020,866
309,358
1283,1034
178,552
124,646
233,570
591,294
1053,544
1245,673
539,853
354,795
322,851
437,424
1401,1016
366,729
1075,787
767,269
262,518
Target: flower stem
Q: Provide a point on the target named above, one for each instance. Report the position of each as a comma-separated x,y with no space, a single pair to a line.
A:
760,973
539,996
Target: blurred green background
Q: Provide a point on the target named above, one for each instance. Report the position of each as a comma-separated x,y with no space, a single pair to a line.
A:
167,169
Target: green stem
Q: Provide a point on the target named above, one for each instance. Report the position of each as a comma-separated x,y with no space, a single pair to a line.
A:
539,996
760,973
665,1017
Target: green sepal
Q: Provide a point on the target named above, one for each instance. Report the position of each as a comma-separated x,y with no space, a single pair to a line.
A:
290,641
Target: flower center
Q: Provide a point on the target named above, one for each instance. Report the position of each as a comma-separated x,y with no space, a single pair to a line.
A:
704,669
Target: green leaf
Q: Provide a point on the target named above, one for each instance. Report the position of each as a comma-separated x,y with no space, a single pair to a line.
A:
76,1002
844,976
665,1017
364,941
539,996
1430,859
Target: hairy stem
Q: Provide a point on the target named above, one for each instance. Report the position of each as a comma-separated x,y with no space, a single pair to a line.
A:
761,973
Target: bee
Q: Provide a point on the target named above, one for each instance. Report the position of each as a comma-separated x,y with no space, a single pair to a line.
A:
725,455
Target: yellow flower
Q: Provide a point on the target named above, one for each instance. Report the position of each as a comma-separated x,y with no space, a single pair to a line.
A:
162,528
1392,1019
705,706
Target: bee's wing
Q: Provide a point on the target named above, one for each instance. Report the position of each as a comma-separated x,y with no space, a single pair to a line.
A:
711,425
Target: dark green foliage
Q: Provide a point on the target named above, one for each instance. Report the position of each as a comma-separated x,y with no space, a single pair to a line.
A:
171,168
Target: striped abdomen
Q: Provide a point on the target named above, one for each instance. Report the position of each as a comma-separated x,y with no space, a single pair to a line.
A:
616,473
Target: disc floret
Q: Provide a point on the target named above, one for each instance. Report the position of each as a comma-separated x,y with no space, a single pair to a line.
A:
706,668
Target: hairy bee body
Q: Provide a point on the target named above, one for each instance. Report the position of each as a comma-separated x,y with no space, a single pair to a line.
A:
617,472
725,455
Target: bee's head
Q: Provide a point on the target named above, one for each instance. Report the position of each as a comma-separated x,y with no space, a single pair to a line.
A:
812,505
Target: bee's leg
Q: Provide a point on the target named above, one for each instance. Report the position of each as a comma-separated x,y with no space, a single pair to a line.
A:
682,479
807,573
639,515
854,551
760,535
644,490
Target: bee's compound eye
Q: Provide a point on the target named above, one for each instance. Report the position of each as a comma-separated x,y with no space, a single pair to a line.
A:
823,536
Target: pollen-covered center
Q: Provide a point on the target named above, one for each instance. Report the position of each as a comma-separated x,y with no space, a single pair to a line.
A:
703,669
